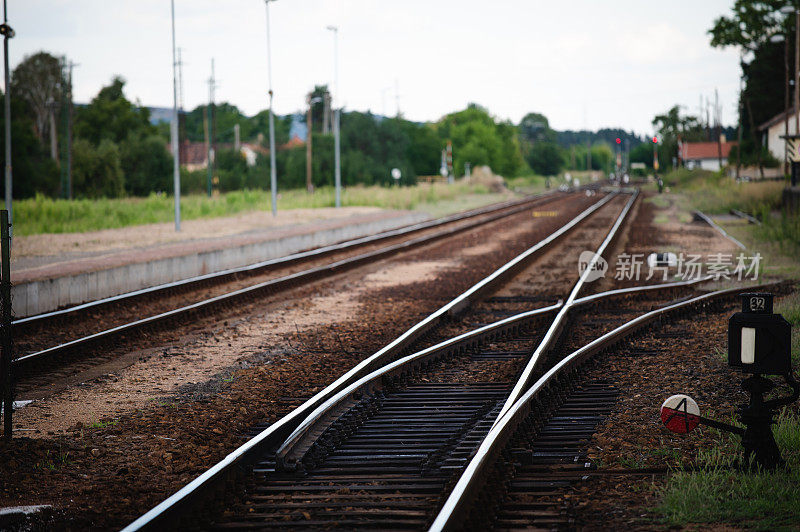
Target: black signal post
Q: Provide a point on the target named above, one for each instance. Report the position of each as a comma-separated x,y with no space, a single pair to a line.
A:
759,343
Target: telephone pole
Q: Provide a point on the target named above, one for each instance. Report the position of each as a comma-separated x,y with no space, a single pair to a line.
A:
176,163
336,117
273,179
181,114
309,124
797,73
69,65
7,33
212,128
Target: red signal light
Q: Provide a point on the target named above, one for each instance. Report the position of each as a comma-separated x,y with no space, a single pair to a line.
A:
655,140
619,140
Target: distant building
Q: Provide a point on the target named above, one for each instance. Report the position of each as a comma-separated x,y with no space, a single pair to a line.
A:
704,155
773,129
194,155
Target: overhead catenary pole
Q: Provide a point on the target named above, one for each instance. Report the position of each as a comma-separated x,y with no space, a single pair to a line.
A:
69,130
797,73
273,179
309,183
8,33
176,169
785,106
212,130
6,350
336,118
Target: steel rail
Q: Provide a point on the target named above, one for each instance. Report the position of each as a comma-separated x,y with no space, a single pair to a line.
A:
270,286
258,267
455,509
751,219
558,322
170,510
291,451
585,300
719,229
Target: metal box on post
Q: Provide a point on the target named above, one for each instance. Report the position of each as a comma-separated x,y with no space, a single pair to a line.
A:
759,341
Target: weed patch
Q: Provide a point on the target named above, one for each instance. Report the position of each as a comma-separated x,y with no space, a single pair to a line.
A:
721,494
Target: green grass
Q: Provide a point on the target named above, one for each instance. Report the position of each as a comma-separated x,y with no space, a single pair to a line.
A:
721,494
777,238
44,215
789,307
53,462
714,193
530,184
103,424
659,201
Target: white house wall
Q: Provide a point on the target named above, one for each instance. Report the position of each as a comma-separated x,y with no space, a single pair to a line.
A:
775,144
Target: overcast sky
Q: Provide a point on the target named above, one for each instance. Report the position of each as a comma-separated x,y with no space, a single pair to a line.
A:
582,63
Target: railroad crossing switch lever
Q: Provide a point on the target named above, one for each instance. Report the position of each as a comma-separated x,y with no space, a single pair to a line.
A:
759,343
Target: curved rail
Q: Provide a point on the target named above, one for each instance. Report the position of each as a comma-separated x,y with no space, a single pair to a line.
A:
289,454
291,451
707,219
558,321
259,267
234,463
455,509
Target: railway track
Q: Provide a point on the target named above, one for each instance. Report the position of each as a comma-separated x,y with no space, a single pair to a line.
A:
429,439
210,293
302,442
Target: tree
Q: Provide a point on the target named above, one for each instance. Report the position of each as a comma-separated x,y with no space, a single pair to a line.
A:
37,80
480,140
146,164
751,26
111,116
673,128
34,171
97,172
546,158
535,127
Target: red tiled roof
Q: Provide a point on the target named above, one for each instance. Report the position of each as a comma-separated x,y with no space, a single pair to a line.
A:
690,151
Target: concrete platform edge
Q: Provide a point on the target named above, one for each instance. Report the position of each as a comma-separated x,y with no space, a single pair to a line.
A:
45,295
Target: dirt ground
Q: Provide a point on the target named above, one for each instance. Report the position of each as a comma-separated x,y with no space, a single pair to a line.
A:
135,434
105,450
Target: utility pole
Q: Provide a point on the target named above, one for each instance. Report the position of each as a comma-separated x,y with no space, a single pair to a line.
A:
383,100
176,163
741,114
7,33
718,125
397,96
336,117
212,129
273,179
181,114
785,107
797,73
309,184
237,145
68,65
326,112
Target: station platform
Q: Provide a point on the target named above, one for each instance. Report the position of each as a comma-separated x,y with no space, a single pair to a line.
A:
59,270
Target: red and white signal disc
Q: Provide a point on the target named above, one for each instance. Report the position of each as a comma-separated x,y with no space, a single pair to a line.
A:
680,414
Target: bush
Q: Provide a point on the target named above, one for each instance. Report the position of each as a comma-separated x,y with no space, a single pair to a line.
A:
97,172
